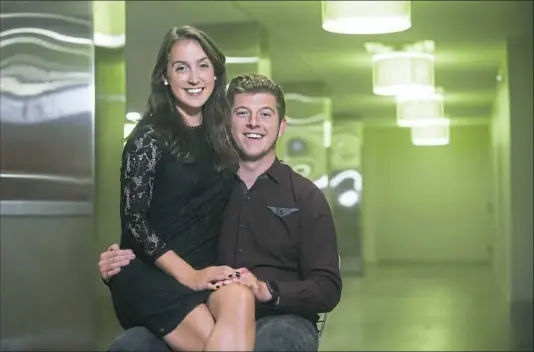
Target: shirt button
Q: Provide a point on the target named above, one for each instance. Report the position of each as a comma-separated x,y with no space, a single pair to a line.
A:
242,225
239,250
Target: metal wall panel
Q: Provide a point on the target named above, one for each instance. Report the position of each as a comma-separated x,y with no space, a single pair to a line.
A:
46,175
46,107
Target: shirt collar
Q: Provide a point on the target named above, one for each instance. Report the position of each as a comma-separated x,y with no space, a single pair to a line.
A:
274,172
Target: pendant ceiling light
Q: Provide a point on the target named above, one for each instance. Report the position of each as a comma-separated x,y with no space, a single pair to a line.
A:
423,110
366,17
431,135
407,72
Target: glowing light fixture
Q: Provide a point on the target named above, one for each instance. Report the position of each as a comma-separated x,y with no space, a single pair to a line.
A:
406,72
242,59
133,116
366,17
422,110
431,135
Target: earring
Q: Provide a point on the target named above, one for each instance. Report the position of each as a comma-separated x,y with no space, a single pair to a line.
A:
165,82
215,78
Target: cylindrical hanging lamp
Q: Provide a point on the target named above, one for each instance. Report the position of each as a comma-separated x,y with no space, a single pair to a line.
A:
403,73
431,135
366,17
421,110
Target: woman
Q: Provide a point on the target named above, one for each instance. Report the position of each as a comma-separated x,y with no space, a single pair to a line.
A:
176,179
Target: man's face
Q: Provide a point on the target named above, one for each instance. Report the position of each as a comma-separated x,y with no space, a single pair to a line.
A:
255,125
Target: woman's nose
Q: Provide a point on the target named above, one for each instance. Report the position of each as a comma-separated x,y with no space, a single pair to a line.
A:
194,77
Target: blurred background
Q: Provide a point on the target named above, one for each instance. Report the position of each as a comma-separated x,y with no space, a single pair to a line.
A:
414,118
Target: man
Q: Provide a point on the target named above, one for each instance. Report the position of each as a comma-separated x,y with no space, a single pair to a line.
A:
278,226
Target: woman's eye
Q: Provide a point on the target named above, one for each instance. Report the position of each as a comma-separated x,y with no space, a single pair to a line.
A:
180,68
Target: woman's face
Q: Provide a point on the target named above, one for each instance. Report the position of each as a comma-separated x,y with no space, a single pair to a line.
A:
190,74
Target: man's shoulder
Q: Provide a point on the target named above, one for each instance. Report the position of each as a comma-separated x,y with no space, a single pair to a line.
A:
303,186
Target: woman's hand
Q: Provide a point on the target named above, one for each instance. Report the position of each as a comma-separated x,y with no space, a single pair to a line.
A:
211,278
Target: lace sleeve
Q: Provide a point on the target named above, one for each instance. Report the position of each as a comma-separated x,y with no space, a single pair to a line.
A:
140,157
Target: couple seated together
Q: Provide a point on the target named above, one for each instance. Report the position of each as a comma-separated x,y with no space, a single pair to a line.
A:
223,246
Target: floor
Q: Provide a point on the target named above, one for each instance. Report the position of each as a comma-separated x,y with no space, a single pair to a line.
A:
411,308
419,308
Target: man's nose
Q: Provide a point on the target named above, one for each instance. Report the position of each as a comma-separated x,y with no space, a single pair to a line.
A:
252,121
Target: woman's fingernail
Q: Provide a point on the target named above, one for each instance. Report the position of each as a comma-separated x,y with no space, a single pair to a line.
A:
237,274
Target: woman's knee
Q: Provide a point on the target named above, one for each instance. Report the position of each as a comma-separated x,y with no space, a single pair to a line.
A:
236,294
233,302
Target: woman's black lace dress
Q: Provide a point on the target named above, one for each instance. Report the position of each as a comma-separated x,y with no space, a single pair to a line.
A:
166,205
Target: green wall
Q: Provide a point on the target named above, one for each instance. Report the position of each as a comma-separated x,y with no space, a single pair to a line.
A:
512,149
109,121
427,204
500,150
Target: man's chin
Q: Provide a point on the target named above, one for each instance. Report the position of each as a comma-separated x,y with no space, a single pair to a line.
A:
251,157
244,156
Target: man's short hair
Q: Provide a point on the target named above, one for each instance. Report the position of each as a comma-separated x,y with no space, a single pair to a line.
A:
255,83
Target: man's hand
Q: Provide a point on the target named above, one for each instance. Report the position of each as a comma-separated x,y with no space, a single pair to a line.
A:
259,288
113,259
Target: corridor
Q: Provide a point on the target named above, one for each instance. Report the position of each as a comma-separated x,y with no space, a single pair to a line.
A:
419,308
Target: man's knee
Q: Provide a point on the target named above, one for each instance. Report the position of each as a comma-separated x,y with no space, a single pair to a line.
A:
285,333
136,340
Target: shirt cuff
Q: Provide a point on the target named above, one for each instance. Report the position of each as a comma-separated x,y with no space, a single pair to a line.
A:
293,295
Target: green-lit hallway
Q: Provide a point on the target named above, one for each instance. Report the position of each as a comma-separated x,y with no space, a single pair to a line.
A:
434,229
419,308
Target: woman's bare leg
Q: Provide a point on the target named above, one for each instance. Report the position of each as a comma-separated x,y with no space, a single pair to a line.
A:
233,308
193,332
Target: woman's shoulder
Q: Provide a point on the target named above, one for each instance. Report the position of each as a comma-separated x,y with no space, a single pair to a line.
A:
144,134
144,129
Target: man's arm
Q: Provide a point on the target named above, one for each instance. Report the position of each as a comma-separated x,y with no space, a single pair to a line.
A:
320,291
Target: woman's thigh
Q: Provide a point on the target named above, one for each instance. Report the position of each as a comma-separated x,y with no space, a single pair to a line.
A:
145,296
193,332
